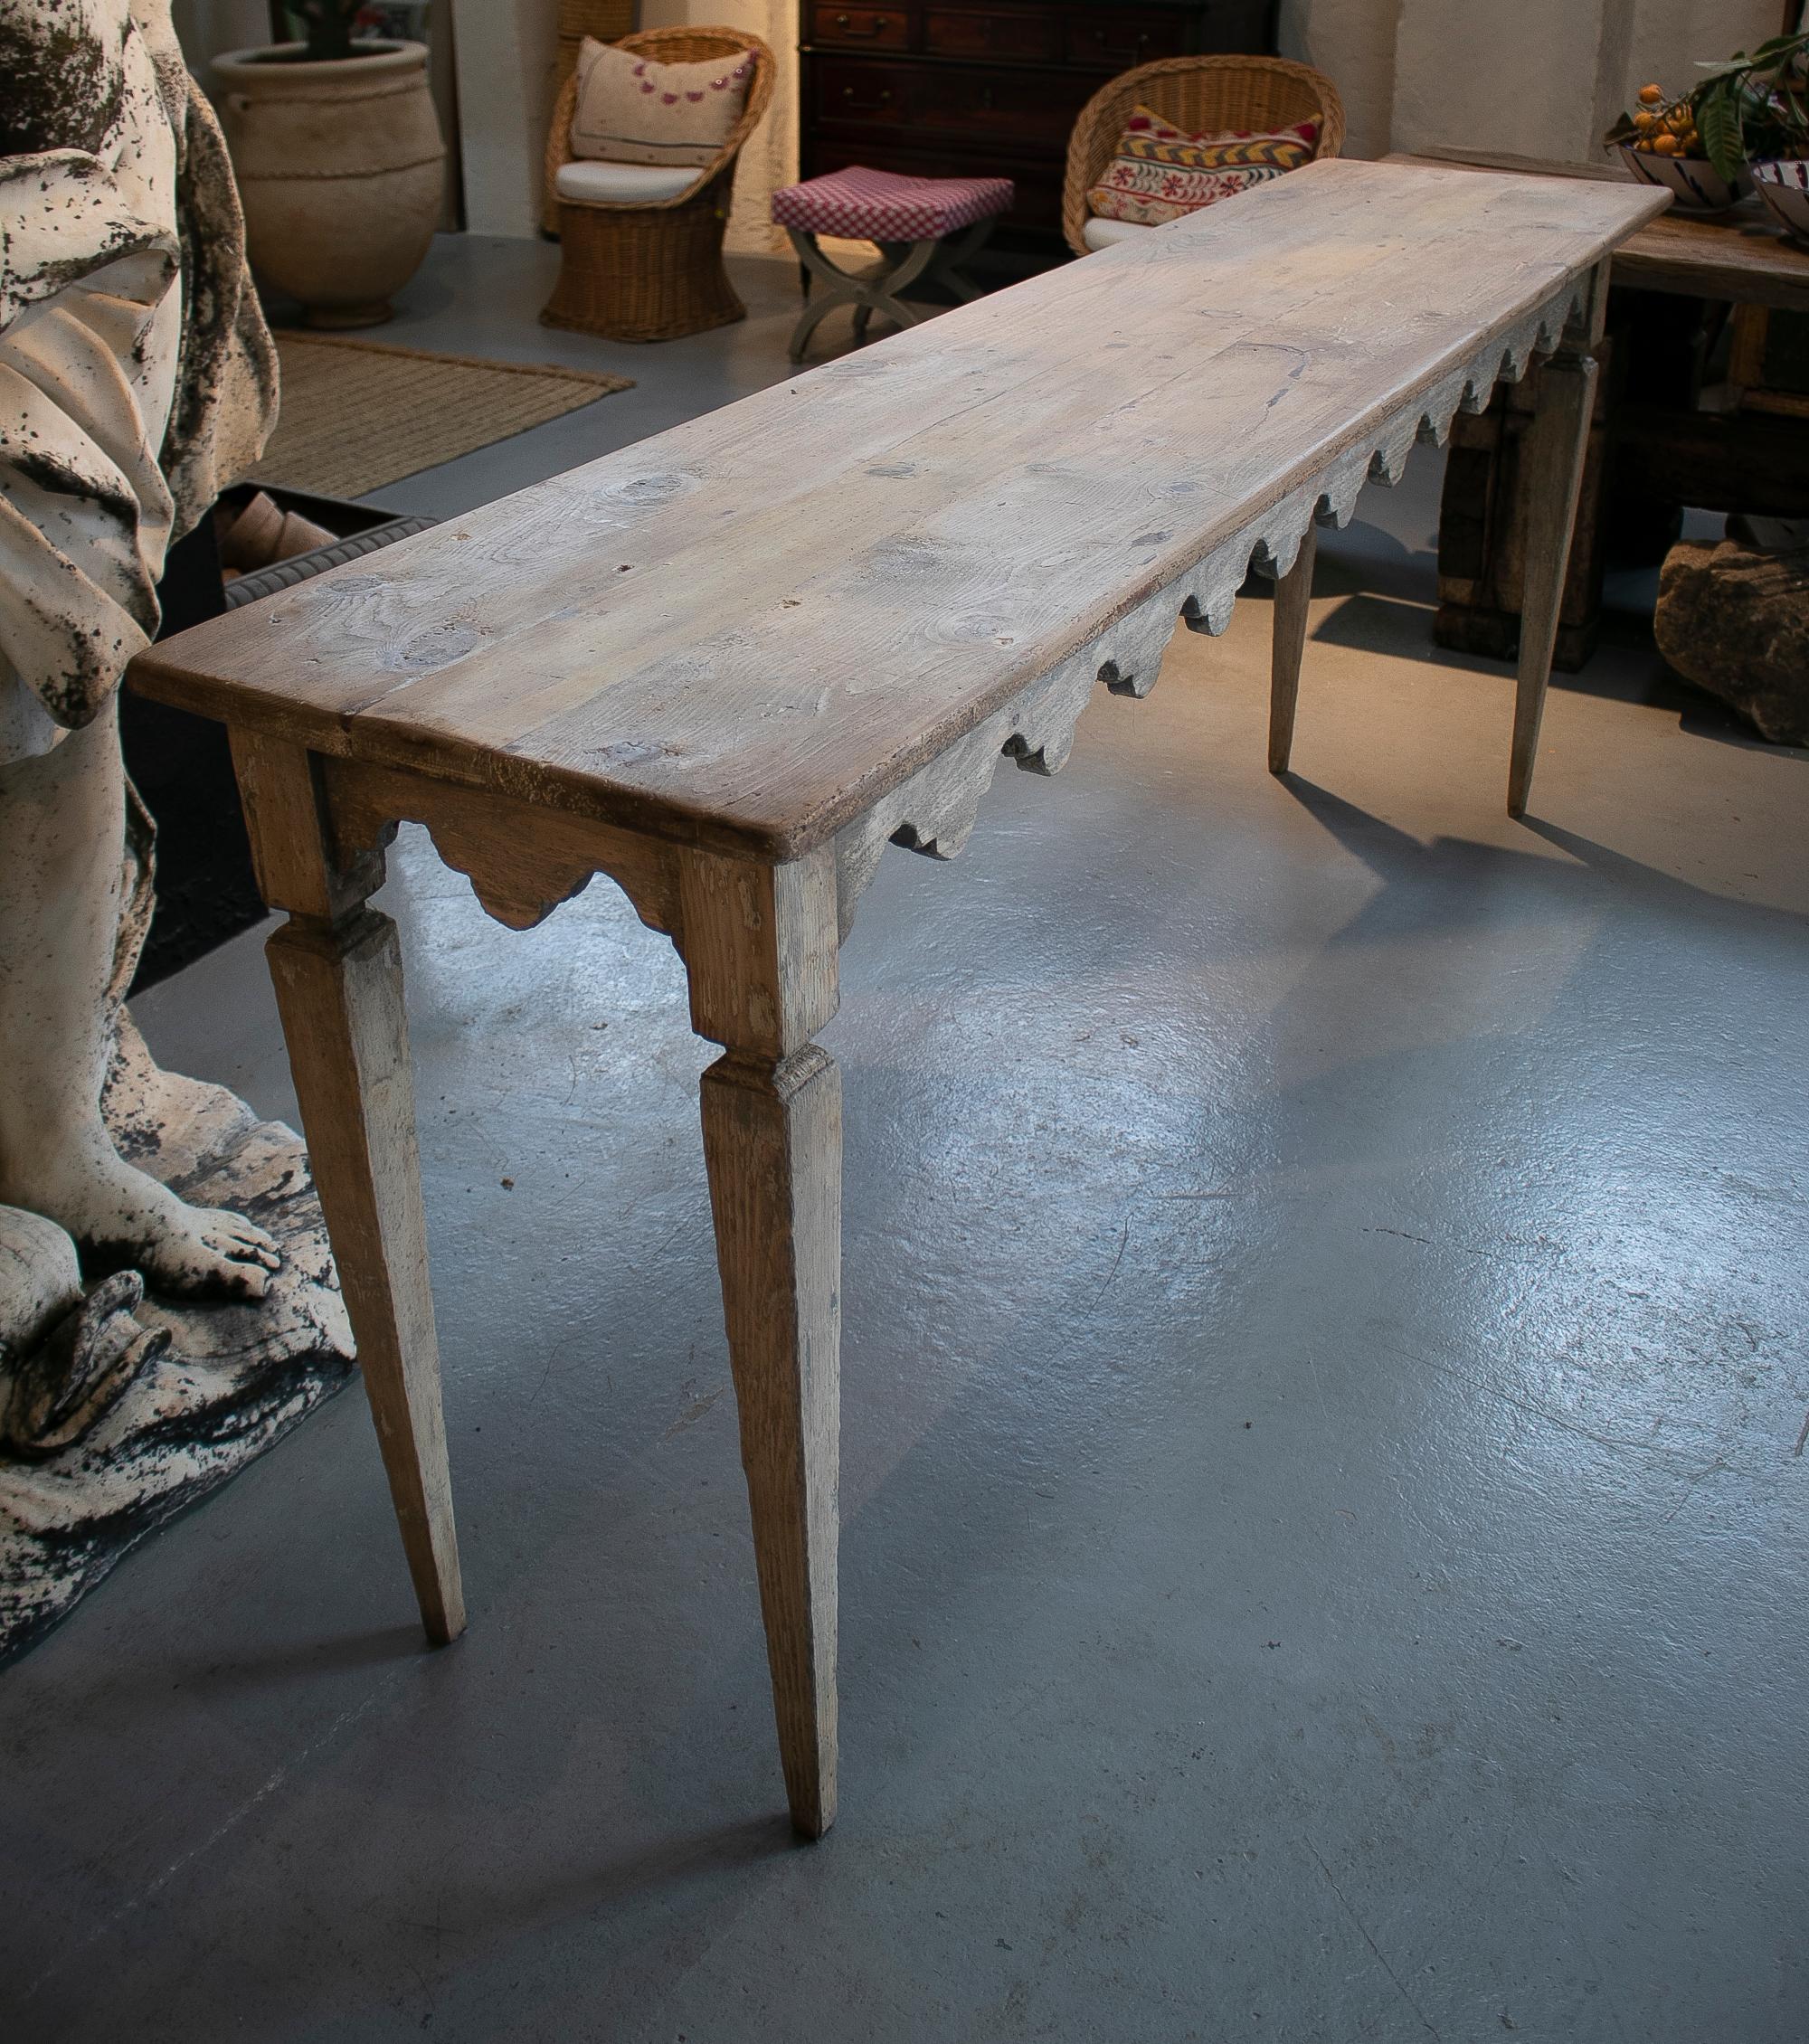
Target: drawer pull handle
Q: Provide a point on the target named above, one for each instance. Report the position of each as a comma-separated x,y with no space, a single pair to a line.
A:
846,24
885,98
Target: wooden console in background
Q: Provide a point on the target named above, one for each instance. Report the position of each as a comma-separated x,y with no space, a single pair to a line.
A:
1664,433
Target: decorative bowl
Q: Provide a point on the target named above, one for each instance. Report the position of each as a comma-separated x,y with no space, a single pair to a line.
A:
1693,182
1783,186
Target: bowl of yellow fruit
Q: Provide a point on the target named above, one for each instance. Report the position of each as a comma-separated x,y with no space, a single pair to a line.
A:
1659,144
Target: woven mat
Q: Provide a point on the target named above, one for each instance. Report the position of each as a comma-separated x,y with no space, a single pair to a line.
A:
357,414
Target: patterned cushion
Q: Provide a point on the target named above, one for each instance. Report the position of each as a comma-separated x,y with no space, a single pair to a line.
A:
630,109
1157,172
879,206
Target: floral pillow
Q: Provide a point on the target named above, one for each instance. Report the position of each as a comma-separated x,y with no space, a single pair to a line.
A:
1157,172
630,109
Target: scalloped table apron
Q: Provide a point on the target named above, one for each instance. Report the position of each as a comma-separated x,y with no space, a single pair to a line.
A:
728,665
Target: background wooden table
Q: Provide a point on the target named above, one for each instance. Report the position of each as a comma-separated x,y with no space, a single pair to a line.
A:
1664,433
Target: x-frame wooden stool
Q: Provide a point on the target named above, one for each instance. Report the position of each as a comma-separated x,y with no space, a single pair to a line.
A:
881,287
926,229
728,666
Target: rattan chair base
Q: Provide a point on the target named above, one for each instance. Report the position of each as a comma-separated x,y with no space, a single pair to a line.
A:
654,273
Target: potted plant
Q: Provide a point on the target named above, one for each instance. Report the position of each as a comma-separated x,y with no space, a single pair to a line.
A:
1754,111
339,160
1661,143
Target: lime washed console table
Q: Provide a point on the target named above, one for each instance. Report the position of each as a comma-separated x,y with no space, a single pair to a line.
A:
728,665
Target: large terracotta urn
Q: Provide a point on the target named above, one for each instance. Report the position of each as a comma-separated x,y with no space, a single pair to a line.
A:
341,168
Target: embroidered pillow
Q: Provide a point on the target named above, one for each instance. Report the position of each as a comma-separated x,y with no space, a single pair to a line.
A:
630,109
1157,172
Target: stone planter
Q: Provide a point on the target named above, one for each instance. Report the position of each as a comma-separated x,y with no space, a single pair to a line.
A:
341,168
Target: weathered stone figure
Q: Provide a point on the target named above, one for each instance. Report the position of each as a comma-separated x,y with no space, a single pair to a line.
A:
136,379
136,375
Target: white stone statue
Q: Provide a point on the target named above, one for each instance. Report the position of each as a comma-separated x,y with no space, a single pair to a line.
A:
136,379
101,329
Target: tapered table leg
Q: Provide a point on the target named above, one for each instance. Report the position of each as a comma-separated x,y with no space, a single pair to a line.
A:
337,971
1293,595
1552,455
759,942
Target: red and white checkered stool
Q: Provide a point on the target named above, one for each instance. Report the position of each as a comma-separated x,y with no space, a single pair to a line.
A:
927,227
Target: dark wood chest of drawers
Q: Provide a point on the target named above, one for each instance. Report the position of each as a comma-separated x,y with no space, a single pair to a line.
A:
954,89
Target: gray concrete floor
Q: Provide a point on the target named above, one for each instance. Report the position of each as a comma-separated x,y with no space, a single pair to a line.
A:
1323,1551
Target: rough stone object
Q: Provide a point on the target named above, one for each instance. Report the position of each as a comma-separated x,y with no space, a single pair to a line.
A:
127,1408
132,365
1735,620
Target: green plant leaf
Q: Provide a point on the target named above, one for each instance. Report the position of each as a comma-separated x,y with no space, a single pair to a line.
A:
1717,122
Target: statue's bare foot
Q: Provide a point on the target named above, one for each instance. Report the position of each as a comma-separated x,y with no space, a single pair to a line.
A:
126,1217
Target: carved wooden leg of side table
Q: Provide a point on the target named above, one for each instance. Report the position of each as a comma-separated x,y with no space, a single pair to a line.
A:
759,942
1294,594
1550,481
337,972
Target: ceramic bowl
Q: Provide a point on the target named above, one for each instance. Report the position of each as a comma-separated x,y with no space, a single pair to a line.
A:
1783,186
1693,182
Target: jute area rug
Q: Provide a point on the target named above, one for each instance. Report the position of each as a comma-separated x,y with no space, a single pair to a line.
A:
357,414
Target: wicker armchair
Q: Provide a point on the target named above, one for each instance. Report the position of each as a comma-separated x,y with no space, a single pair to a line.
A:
653,270
1205,96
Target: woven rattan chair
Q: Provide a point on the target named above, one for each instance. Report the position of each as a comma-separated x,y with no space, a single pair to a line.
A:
1205,96
653,272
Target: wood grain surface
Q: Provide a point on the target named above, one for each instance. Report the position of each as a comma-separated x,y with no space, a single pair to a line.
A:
746,631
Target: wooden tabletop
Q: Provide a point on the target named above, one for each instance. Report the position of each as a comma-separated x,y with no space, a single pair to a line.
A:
1740,255
743,631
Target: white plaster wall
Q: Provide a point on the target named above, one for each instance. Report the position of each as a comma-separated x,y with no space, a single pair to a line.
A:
1352,42
1667,36
506,51
1527,77
1517,80
1544,77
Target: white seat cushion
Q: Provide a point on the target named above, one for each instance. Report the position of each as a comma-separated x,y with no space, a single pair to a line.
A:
630,184
1097,233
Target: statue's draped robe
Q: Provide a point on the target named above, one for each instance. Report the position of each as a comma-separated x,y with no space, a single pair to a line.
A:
136,378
